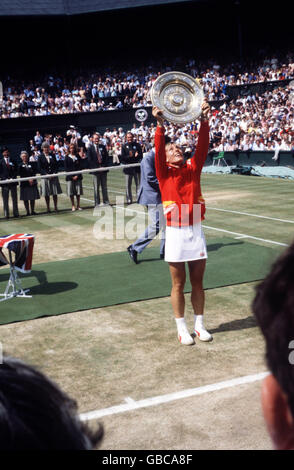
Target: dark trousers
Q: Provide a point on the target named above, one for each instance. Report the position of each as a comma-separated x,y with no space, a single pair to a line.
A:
5,196
129,180
100,179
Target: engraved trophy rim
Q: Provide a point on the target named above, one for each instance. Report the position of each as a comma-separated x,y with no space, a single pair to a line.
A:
178,95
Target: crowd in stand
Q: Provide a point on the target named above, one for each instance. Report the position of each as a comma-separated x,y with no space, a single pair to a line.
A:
255,122
249,123
110,89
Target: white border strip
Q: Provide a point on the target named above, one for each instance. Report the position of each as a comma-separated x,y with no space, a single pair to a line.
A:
161,399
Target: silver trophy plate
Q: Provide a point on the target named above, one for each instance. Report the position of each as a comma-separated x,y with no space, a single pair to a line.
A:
179,96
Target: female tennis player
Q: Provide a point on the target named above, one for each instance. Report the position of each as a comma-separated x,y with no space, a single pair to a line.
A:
184,209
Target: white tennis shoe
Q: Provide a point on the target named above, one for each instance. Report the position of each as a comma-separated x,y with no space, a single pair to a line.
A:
203,334
185,338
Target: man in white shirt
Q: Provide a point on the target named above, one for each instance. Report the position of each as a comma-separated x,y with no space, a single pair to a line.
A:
257,145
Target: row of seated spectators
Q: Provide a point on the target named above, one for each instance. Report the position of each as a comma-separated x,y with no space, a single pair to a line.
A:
251,123
110,89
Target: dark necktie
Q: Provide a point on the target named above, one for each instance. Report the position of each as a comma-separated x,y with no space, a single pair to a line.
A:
98,154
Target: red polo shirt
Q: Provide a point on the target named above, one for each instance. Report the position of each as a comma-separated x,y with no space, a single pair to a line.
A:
180,187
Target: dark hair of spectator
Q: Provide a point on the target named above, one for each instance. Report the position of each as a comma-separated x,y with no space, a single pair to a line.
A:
35,414
45,144
273,307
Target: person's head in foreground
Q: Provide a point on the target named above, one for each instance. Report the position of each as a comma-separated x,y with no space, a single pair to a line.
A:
273,307
35,414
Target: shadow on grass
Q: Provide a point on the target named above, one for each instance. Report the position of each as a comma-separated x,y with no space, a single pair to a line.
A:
49,288
212,247
236,325
217,246
43,287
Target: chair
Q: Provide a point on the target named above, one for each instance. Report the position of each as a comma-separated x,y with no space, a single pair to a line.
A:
219,158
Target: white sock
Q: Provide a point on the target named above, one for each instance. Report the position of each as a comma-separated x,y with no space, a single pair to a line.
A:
198,319
181,324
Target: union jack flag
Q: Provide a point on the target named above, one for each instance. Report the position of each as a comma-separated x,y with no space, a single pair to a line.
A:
21,244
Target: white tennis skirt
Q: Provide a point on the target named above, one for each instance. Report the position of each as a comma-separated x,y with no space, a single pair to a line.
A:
185,243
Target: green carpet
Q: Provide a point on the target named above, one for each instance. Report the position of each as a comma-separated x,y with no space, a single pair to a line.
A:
111,279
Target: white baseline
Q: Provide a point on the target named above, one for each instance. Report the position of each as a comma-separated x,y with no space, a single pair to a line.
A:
161,399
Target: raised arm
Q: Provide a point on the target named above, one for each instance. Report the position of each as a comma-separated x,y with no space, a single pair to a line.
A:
200,154
159,140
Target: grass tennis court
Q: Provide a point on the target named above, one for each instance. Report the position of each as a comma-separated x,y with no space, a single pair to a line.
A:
123,362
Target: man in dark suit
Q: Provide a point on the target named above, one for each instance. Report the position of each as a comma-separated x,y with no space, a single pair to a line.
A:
131,152
8,170
149,195
98,158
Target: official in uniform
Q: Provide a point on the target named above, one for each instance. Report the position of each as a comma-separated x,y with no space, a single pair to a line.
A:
131,153
28,189
8,170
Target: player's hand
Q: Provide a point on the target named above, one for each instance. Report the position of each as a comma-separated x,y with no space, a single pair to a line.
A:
205,110
157,113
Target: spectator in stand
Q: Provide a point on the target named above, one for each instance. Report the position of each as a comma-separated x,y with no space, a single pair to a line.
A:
29,191
38,139
116,152
258,145
72,162
131,153
48,165
73,135
8,170
35,153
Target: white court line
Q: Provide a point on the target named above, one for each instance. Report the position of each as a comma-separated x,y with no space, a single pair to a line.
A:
223,210
243,235
161,399
251,215
238,235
